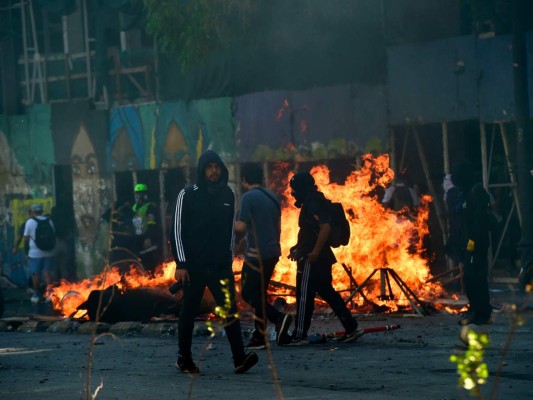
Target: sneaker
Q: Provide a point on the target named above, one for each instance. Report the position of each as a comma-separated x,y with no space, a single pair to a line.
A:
351,336
474,319
282,337
35,299
249,361
256,343
298,342
466,318
186,365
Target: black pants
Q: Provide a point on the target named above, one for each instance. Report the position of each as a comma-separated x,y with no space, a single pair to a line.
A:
192,297
255,280
310,280
475,279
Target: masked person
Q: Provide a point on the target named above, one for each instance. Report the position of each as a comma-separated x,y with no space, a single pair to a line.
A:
314,260
260,219
473,205
146,231
201,240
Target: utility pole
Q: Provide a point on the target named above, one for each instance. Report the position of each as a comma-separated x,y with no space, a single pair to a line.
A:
524,141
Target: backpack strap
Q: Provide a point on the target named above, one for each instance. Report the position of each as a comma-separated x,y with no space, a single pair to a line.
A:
267,194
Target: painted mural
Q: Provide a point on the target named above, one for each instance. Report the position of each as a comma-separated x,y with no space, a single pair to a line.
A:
315,124
80,137
167,135
93,143
87,203
26,158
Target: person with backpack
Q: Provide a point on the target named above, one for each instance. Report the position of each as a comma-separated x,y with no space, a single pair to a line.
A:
400,195
39,231
315,259
260,219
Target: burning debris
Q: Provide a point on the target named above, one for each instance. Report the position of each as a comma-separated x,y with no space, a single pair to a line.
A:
381,238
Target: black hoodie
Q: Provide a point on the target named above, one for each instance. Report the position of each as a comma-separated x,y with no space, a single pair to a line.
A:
201,236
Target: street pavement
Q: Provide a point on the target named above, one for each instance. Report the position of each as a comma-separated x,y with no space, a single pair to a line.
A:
47,359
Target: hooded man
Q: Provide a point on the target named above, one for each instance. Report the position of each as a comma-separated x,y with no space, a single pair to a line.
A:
471,208
201,241
314,260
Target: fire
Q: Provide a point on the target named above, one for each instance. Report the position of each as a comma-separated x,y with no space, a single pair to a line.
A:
380,238
67,296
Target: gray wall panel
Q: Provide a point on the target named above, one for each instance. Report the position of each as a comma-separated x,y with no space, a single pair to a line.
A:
496,95
322,113
433,82
262,118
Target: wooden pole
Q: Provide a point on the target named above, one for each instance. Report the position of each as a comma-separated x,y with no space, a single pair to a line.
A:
404,150
392,139
445,148
484,163
485,177
510,169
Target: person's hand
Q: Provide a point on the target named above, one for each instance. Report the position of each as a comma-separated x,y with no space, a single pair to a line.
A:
313,257
238,249
181,275
293,254
147,243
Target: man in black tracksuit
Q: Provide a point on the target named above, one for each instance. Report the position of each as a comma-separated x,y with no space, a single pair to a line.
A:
314,260
201,241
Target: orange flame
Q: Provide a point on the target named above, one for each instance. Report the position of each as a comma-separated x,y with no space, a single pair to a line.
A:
67,296
380,238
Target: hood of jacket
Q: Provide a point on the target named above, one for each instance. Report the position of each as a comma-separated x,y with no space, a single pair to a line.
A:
205,159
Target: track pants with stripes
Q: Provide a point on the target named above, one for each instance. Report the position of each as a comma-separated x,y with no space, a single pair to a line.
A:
312,279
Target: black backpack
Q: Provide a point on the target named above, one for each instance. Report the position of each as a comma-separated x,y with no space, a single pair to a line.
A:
340,227
45,236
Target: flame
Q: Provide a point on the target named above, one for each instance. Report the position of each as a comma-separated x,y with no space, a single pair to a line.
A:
67,296
380,238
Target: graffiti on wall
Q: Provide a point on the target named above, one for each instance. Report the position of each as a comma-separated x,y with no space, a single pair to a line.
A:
89,199
168,136
316,124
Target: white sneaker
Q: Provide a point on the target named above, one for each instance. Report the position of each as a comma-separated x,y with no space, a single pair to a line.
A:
35,299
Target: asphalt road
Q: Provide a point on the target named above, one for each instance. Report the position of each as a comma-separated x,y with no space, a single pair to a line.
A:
409,363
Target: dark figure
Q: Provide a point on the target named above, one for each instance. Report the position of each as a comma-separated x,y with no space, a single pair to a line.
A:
201,241
314,261
64,224
146,230
453,201
401,195
473,244
122,252
260,219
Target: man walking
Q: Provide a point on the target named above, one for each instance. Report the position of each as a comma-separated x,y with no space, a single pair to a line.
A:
260,219
201,240
314,260
41,249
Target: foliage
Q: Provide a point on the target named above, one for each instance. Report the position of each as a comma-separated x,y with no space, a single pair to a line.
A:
223,311
473,372
191,29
